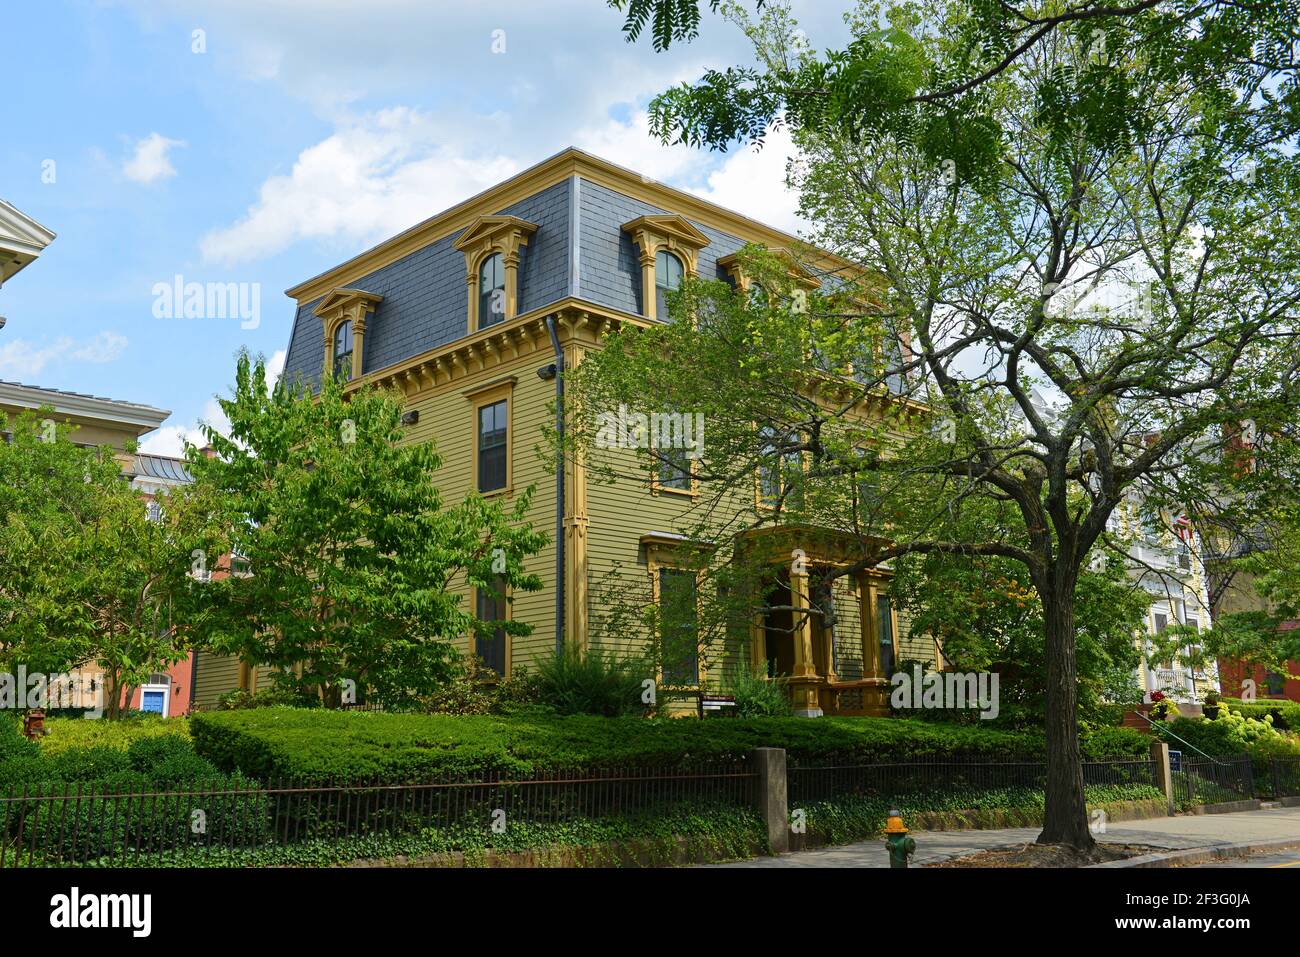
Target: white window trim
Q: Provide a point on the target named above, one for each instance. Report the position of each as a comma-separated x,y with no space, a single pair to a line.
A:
166,693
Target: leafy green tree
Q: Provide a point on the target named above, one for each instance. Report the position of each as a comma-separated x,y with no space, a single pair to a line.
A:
88,576
1071,314
886,82
348,565
986,616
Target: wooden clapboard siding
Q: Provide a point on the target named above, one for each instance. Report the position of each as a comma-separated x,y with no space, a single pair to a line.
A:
217,674
447,419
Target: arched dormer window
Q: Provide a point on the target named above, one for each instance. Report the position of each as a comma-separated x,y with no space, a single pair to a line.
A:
670,251
669,272
343,347
493,248
343,314
492,291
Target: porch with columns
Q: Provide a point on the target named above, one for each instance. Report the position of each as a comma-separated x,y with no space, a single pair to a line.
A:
805,557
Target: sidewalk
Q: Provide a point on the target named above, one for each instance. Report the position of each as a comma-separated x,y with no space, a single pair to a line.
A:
1173,833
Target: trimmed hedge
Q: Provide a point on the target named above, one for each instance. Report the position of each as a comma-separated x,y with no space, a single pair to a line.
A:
65,733
106,814
313,747
13,746
1097,744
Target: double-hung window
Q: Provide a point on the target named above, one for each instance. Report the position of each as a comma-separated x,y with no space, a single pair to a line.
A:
493,446
679,627
491,608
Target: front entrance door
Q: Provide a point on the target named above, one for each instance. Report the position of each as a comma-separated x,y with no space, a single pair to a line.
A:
778,630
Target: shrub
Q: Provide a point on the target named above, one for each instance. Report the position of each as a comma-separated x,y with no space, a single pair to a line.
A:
65,733
587,682
170,762
104,780
87,765
22,771
12,743
471,690
110,819
1285,714
1216,738
145,753
1232,733
266,698
323,746
1098,743
757,697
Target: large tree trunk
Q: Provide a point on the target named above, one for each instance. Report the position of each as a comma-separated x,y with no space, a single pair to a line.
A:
1066,815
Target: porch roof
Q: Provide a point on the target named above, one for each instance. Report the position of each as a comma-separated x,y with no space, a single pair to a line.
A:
820,545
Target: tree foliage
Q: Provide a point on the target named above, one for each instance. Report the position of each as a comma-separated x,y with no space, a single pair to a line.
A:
1074,310
885,82
356,567
87,576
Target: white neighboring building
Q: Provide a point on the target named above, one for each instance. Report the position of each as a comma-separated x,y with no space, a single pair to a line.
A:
1170,566
22,239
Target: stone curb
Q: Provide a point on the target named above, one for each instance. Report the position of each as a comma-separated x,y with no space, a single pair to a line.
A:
1229,807
1201,855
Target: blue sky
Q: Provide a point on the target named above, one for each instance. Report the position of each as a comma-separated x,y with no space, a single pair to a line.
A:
299,134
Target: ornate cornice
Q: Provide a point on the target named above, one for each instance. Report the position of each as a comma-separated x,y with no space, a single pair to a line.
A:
497,345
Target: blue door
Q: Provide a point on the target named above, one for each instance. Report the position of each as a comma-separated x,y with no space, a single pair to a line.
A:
153,701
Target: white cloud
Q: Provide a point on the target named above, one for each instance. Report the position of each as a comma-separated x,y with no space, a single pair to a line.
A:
150,163
752,182
170,439
386,171
21,359
630,144
105,347
369,180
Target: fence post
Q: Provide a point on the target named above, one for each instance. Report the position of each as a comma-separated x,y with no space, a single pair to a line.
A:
1164,779
769,764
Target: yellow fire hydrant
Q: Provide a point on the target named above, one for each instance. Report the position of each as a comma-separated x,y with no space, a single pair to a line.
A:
901,847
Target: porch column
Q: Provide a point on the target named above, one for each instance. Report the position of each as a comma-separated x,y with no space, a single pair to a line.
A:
804,683
827,637
875,696
758,644
870,639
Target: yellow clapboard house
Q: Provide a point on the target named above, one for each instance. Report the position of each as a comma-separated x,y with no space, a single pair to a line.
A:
464,312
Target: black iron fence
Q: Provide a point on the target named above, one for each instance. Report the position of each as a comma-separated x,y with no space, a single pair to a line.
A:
1286,777
64,824
1213,780
809,783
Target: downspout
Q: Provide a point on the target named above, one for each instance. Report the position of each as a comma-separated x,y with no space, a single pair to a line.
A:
559,486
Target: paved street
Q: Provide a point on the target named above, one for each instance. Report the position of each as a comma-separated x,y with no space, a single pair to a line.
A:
1173,833
1289,858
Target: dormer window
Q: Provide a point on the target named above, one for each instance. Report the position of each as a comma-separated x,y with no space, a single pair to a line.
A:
493,248
491,291
670,250
343,315
802,279
343,349
669,273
